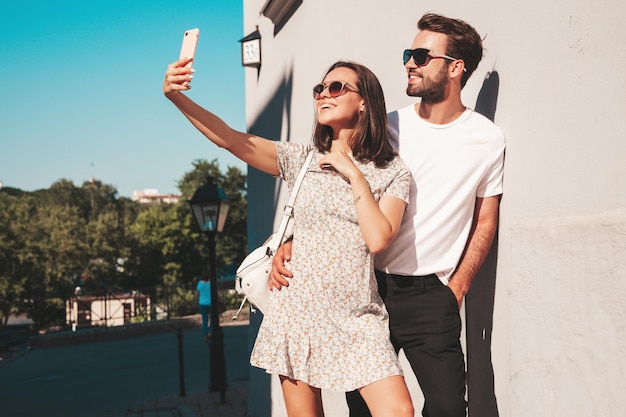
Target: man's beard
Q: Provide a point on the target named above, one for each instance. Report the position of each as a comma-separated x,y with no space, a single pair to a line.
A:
431,90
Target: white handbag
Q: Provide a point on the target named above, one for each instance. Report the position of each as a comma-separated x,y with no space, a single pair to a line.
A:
253,275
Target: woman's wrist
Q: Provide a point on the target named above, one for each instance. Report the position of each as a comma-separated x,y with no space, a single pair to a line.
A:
360,189
358,198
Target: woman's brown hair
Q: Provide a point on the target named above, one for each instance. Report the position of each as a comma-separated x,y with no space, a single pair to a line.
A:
369,141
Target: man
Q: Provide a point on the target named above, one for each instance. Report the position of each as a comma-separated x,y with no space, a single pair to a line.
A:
456,158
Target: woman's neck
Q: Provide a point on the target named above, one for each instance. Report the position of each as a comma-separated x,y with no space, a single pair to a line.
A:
341,141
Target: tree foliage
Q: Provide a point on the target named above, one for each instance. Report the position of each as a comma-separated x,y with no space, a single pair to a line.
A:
67,236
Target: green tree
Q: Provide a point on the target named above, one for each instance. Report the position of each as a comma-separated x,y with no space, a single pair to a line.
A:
54,253
232,243
145,264
56,239
11,285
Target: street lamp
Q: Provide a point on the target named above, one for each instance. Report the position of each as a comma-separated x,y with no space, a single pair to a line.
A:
210,208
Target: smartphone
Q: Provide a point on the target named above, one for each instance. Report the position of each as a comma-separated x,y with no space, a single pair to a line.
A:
190,40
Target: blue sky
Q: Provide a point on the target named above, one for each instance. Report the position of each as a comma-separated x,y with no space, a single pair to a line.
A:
81,90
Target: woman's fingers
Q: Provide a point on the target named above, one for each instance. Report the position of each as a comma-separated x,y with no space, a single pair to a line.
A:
178,76
179,79
340,161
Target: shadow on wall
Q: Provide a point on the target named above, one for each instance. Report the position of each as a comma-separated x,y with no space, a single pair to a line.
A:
268,124
479,301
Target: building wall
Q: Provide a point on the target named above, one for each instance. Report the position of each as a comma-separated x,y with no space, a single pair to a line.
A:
558,268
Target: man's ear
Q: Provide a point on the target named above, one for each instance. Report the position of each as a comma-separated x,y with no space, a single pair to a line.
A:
457,68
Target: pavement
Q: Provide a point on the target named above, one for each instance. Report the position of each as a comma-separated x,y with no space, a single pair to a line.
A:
200,404
193,404
197,404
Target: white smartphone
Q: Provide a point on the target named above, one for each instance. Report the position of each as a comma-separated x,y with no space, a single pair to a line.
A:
190,41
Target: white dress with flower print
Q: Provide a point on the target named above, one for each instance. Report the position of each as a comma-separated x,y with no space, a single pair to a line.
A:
329,327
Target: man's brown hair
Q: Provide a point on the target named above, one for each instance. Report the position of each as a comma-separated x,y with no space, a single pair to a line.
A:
463,40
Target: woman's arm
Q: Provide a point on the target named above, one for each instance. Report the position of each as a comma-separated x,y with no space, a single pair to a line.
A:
379,222
254,150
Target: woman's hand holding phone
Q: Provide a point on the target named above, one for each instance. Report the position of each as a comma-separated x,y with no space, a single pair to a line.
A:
178,76
180,73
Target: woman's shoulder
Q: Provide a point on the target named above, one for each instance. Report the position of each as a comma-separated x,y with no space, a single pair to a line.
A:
393,170
397,164
293,148
291,156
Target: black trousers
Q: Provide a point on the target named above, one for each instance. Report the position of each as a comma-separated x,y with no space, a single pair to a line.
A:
424,320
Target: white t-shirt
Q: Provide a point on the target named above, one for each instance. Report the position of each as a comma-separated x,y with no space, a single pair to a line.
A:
452,165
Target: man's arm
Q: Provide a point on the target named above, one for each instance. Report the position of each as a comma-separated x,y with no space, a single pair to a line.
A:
484,226
279,274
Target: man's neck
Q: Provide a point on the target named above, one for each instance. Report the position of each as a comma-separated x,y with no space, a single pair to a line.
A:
440,113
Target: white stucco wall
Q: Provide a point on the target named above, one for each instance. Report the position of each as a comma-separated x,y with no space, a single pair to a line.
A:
559,334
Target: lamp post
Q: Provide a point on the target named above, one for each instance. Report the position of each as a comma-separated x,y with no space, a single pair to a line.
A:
210,208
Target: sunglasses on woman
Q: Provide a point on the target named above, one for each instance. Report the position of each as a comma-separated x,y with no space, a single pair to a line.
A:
335,89
422,56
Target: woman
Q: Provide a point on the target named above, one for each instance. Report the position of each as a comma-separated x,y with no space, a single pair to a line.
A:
203,300
329,328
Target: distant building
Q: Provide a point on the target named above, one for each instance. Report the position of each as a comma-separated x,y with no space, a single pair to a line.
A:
151,195
111,310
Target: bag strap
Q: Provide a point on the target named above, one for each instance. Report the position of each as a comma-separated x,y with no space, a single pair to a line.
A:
278,237
288,209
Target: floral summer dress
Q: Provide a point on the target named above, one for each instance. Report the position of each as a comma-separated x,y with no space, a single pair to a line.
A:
329,327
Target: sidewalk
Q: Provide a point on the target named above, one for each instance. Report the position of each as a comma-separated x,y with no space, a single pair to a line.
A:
203,403
197,404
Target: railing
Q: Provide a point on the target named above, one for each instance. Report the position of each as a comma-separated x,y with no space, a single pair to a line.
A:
141,305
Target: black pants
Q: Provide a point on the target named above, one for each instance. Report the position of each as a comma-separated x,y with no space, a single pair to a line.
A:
424,320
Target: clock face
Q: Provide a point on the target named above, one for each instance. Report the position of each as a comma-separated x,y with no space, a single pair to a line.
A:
251,51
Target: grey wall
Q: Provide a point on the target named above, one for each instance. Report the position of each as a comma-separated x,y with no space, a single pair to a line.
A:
548,308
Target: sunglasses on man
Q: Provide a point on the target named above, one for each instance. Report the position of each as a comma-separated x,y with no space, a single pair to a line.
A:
422,56
335,89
